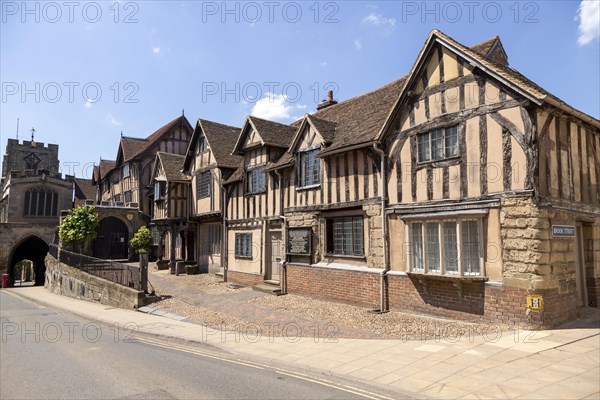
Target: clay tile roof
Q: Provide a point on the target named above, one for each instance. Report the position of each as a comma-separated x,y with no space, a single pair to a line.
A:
273,133
172,165
132,146
325,128
105,167
359,119
221,139
486,46
95,176
154,137
237,175
84,189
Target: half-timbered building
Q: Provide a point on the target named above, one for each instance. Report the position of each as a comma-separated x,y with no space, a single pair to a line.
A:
254,245
461,189
171,209
209,162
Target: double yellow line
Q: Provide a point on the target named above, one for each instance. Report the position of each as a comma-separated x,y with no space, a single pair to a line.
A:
297,375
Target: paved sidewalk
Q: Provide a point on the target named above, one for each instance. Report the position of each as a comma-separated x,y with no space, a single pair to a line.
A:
563,363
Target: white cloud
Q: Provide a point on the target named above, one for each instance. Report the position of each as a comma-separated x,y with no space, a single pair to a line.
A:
88,103
275,107
589,21
156,50
113,120
379,20
357,44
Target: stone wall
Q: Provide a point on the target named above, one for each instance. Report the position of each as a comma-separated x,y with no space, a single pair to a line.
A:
535,260
71,282
376,242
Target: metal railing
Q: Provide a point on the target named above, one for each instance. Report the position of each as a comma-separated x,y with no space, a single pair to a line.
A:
113,271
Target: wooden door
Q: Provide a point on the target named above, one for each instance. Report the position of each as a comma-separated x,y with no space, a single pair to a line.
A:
276,256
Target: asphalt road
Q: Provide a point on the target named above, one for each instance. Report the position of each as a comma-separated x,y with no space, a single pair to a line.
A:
49,354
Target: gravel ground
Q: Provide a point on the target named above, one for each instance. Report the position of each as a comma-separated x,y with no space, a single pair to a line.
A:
394,324
206,283
347,319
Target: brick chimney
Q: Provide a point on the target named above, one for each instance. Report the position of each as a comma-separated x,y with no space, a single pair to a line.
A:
328,102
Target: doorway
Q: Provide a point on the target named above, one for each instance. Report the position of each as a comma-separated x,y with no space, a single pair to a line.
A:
580,267
276,256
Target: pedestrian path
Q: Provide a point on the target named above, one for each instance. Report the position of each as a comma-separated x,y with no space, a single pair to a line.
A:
562,363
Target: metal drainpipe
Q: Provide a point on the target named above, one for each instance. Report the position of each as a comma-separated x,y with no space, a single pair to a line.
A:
224,232
386,267
283,277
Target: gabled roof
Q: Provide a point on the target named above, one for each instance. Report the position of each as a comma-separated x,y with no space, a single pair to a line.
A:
105,167
172,165
221,139
323,127
359,119
478,56
237,175
84,189
95,175
272,133
130,147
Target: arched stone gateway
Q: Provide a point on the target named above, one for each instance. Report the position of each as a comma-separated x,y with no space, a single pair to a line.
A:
31,248
112,241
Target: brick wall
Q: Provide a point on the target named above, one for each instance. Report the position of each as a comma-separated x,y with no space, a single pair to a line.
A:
244,278
336,284
478,301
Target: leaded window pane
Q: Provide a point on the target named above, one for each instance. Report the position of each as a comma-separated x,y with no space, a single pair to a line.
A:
437,144
470,246
450,247
416,235
433,246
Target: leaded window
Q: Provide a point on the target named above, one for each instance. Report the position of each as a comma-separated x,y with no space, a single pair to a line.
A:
437,144
256,180
310,168
345,236
243,245
203,182
449,247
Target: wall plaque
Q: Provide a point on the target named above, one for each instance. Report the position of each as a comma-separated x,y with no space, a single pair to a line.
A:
298,241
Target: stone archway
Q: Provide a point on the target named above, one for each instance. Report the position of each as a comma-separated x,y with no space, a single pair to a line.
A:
31,248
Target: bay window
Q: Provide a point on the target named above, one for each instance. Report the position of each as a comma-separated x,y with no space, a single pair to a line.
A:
446,247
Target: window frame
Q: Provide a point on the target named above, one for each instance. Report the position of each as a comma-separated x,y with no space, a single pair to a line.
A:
357,246
250,181
461,250
243,245
202,147
40,202
125,171
430,146
302,168
160,188
203,189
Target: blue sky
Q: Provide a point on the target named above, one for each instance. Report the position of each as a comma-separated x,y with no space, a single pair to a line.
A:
82,72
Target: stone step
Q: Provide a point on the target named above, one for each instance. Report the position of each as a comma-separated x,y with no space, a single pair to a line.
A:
266,288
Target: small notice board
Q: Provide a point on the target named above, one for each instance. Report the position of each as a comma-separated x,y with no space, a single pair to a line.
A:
298,241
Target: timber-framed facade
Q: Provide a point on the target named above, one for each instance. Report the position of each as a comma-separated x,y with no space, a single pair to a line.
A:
461,189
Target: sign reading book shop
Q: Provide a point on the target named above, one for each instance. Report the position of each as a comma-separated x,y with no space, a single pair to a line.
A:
298,242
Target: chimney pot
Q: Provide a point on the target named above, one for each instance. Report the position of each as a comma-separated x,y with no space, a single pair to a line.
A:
330,95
